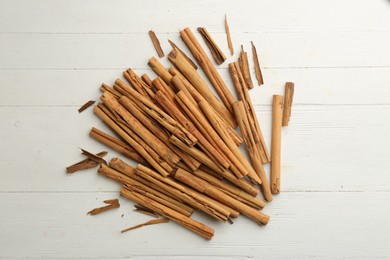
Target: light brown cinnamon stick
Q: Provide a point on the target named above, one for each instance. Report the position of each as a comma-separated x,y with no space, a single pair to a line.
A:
147,223
204,187
156,44
181,219
217,53
259,75
117,145
244,65
276,142
288,99
112,204
86,105
229,38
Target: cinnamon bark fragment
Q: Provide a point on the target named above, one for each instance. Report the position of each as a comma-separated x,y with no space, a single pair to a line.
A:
174,46
86,105
228,36
147,223
112,204
145,211
288,99
93,157
244,66
259,75
156,44
84,164
217,53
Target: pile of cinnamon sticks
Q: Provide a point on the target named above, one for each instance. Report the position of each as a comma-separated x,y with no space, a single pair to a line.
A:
185,139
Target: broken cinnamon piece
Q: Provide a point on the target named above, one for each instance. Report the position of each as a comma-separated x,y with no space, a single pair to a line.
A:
112,204
84,164
86,105
229,39
217,53
244,66
145,211
93,157
259,75
148,223
174,46
156,44
288,99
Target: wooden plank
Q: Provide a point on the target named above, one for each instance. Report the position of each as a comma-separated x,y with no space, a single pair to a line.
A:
121,16
118,51
326,148
303,226
74,87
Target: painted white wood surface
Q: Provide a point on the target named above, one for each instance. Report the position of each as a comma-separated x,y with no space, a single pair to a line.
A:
336,184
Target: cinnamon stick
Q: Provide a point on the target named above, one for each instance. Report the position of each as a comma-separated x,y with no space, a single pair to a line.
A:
93,157
174,46
147,223
204,187
217,53
86,105
229,38
156,44
181,219
197,82
145,211
244,65
117,145
288,99
210,71
105,88
112,204
84,164
259,75
277,111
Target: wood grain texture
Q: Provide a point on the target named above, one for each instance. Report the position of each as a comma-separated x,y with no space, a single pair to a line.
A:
334,201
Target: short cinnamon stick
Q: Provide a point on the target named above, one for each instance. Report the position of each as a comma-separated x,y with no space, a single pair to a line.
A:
288,99
86,105
156,44
259,75
277,111
228,36
217,53
244,65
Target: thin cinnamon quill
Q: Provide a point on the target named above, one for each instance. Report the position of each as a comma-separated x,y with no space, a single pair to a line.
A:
84,164
181,219
112,204
86,105
277,105
259,75
288,99
156,44
244,65
217,53
147,223
229,38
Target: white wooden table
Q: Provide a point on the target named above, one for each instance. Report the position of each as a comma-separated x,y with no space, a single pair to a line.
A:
335,154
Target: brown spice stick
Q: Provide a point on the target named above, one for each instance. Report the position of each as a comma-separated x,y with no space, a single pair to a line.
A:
93,157
204,187
259,75
112,204
229,38
84,164
86,105
209,69
288,99
117,145
147,223
276,142
105,88
174,46
131,141
215,122
122,169
253,152
156,44
181,219
217,53
244,65
188,195
197,82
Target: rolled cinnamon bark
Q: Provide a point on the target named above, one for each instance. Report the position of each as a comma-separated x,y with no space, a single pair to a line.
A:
175,216
288,99
204,187
244,66
277,111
